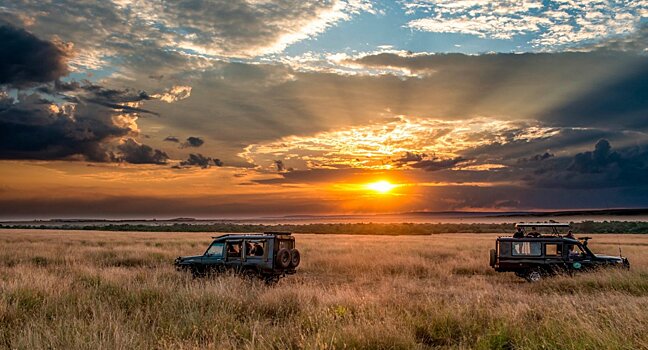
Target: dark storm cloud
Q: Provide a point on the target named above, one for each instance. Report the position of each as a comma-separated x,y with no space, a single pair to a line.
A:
427,163
33,127
621,100
601,168
435,164
536,158
193,141
30,130
200,161
602,85
171,139
135,153
27,60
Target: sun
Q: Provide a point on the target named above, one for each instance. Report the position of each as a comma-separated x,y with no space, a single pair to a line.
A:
382,186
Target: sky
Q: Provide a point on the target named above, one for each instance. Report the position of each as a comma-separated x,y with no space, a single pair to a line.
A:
228,108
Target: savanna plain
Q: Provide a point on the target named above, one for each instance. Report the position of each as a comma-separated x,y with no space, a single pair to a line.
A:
119,290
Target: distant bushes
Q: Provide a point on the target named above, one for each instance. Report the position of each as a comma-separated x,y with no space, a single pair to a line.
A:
348,228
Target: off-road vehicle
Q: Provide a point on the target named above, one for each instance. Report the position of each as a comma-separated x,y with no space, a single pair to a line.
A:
267,256
532,255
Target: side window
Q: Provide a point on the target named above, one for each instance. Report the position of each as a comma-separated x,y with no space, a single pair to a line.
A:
286,243
575,250
553,249
234,249
505,248
527,248
215,250
255,248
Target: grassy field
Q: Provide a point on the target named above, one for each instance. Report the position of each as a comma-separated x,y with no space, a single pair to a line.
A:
119,290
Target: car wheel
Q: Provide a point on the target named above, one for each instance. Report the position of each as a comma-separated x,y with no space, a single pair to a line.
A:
283,258
295,258
533,276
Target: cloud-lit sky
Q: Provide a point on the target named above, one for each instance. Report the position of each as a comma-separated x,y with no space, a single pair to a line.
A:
144,109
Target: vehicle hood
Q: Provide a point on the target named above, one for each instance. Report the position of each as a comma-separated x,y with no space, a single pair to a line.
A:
610,258
188,259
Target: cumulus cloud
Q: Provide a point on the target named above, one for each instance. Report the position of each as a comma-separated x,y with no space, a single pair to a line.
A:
200,161
193,141
133,152
601,168
427,163
174,94
27,60
240,28
551,23
536,158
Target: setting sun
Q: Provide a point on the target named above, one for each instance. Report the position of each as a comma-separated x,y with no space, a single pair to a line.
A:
381,186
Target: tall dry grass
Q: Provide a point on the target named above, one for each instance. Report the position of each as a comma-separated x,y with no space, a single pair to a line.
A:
109,290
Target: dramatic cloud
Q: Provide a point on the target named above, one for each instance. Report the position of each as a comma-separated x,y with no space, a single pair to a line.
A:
174,94
552,23
200,161
429,144
88,125
600,168
193,141
27,60
133,152
239,28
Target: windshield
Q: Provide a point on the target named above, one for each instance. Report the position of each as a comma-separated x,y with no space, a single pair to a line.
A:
215,250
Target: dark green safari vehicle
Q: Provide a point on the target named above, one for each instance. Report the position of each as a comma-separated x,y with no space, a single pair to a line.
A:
267,256
532,255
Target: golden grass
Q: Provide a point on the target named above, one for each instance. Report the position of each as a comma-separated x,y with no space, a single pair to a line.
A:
115,290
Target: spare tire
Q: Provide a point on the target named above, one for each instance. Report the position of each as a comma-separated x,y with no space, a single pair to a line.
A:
295,258
493,257
283,258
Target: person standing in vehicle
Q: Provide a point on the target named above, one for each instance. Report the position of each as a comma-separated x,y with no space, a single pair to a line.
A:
519,233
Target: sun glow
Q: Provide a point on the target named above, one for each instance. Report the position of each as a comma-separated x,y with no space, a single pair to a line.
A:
382,186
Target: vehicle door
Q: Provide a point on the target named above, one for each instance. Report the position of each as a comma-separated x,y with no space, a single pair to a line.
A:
553,254
256,253
577,258
213,259
234,253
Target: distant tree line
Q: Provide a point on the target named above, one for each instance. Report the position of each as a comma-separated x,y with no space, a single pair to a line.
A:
350,228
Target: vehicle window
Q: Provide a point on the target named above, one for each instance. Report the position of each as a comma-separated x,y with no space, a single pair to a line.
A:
255,248
505,248
527,248
553,249
215,250
286,243
234,249
575,250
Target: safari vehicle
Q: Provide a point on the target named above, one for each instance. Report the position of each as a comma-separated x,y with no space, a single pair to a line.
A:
532,255
267,256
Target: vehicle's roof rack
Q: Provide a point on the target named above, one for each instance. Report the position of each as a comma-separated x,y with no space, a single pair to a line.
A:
269,233
542,224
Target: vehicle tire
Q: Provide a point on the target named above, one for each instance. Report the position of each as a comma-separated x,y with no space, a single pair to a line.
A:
283,258
533,276
295,258
493,257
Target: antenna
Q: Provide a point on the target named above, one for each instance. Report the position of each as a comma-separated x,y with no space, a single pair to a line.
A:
619,243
